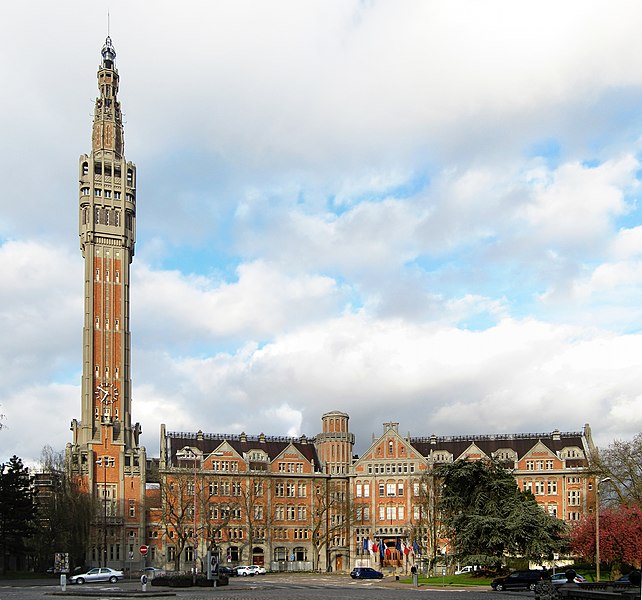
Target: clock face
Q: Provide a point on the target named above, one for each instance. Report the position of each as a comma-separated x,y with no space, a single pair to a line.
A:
106,393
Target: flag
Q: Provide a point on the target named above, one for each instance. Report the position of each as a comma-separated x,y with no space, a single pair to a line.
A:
382,549
365,543
370,545
375,547
398,545
415,547
406,549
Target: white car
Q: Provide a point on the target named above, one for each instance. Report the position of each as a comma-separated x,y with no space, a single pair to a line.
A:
250,570
97,574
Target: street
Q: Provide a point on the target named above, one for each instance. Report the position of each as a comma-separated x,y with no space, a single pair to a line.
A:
265,587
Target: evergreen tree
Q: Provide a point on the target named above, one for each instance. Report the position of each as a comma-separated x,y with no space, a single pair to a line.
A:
486,516
17,511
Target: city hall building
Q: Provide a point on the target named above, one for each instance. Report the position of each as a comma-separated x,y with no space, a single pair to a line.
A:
303,503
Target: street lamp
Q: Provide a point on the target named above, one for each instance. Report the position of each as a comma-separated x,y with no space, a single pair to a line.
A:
597,527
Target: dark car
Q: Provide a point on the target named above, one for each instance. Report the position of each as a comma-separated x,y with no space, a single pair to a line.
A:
227,571
519,579
365,573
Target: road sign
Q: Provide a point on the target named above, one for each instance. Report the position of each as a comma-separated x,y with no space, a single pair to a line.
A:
143,549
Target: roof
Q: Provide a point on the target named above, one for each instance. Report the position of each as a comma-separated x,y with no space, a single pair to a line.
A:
521,443
271,445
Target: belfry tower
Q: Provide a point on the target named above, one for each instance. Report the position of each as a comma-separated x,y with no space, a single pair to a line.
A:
105,454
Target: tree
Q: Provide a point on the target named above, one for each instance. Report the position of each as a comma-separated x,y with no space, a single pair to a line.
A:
620,537
486,516
622,463
17,510
64,512
425,529
330,519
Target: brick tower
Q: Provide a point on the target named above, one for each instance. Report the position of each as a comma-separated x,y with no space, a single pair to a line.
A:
105,453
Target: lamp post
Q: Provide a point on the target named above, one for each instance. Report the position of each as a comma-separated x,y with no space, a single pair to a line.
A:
597,527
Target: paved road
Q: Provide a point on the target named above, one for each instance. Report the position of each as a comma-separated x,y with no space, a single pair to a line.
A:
268,587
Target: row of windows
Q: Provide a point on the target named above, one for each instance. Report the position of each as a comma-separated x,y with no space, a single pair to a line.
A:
391,489
116,325
225,466
540,465
97,372
288,467
108,275
106,170
541,487
381,469
291,490
391,513
290,513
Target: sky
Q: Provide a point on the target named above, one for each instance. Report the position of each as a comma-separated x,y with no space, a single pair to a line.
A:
420,212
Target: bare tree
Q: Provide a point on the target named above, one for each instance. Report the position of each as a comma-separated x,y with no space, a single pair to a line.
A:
330,519
621,462
65,511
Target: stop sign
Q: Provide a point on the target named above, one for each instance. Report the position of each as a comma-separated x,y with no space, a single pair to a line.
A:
143,549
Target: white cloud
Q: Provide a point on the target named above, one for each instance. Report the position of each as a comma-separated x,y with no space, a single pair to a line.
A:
382,208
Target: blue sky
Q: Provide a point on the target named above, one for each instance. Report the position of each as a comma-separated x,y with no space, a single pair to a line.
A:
419,212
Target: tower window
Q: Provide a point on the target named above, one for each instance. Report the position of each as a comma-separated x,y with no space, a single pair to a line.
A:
97,274
84,191
97,215
98,192
106,216
117,274
116,326
85,168
97,322
107,193
117,195
130,177
117,218
107,271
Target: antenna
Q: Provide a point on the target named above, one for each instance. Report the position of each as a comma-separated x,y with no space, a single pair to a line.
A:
108,23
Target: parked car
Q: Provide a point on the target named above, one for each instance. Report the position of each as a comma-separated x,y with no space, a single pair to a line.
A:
227,571
365,573
261,569
519,579
560,579
466,569
246,570
97,574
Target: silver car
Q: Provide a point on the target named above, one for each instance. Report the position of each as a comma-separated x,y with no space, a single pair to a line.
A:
98,574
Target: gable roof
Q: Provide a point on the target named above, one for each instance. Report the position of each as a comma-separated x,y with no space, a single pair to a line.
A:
207,443
521,443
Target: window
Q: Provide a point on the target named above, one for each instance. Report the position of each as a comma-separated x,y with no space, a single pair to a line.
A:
107,193
132,509
280,553
574,498
359,490
258,513
382,489
280,490
366,513
291,513
301,513
366,490
530,465
301,490
279,513
400,489
539,488
550,465
98,192
290,490
551,487
236,488
84,191
382,513
390,489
